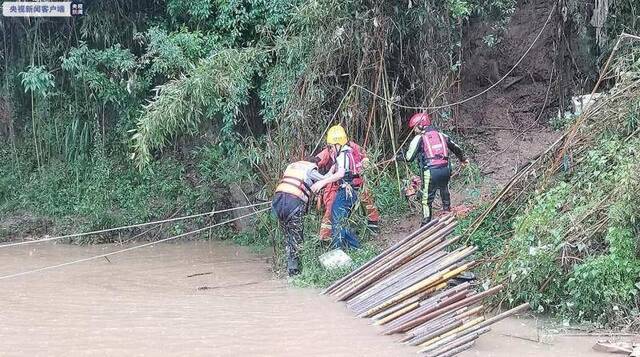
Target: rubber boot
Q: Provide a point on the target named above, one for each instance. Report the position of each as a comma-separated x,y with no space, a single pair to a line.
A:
293,265
425,221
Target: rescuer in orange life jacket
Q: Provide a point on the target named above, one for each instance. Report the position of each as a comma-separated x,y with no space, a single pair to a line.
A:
432,149
327,160
290,202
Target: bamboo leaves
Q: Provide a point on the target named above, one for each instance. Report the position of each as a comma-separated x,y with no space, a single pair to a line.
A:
37,80
215,88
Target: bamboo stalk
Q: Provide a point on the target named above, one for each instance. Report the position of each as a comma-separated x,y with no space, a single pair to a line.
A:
407,271
482,325
431,308
416,298
430,326
421,338
441,330
457,343
456,351
465,326
385,289
397,314
396,262
448,271
379,256
430,271
467,301
418,263
385,257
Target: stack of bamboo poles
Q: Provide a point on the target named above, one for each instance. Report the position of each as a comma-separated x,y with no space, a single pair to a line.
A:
408,289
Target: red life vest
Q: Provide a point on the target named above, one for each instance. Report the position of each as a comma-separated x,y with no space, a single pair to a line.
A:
434,145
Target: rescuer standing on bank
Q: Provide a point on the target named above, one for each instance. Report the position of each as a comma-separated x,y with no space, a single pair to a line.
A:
290,202
432,149
345,173
327,161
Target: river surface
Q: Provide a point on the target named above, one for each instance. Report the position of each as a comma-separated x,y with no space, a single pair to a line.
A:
196,298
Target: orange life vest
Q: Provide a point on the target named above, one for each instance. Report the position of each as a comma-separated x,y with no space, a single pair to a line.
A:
294,179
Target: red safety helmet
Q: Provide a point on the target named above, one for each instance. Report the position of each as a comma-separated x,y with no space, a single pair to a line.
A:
421,119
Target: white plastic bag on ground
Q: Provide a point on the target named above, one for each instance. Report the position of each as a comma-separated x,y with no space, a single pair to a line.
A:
335,259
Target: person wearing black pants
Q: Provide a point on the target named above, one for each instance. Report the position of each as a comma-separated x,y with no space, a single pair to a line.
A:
290,205
432,149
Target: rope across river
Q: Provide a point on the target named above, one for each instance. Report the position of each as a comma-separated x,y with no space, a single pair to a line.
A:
48,239
130,248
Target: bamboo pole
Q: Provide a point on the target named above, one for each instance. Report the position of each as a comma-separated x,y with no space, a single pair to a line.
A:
431,308
467,301
410,270
393,264
457,343
446,273
385,258
380,256
465,326
456,351
421,338
417,298
385,289
480,326
436,267
417,264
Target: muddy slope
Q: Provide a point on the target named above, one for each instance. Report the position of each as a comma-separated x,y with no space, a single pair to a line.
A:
510,124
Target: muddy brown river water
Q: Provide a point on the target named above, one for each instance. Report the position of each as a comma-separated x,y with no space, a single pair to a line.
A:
195,299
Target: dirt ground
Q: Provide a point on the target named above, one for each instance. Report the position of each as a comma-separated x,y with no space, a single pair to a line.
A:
508,126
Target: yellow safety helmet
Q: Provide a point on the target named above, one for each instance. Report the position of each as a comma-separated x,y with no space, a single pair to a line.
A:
336,135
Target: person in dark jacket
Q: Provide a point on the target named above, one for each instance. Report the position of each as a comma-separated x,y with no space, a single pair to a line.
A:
432,149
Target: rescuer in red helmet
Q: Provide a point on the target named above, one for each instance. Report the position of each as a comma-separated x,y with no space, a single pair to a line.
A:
432,149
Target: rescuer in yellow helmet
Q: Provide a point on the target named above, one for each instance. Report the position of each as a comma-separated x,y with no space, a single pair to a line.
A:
345,172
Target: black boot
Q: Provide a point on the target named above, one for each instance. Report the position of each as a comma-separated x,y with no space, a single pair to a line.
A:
293,266
425,221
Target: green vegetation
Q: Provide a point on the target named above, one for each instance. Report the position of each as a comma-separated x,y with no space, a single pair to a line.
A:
565,240
314,275
148,109
93,196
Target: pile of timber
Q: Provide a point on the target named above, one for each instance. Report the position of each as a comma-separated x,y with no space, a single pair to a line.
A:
411,288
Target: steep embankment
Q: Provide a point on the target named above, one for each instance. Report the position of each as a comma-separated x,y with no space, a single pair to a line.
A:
510,124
